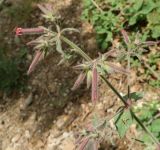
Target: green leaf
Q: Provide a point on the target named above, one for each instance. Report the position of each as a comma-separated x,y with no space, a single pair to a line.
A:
133,20
138,4
155,126
106,68
59,46
146,113
96,120
123,122
145,138
109,37
153,18
147,7
156,31
89,78
134,96
101,30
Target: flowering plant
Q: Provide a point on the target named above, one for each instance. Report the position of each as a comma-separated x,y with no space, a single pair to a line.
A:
93,70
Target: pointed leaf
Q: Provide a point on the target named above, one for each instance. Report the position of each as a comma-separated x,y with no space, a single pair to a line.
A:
134,96
79,81
59,46
37,58
123,122
70,29
89,78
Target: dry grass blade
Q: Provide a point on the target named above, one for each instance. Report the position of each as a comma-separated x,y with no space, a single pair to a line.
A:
79,81
94,84
37,58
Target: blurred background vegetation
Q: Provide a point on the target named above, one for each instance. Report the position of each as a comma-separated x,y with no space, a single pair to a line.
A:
13,54
109,17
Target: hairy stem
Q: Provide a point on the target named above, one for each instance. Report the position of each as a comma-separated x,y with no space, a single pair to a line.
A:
76,48
114,90
128,75
154,139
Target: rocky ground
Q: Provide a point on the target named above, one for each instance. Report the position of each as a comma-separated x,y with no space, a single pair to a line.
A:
49,114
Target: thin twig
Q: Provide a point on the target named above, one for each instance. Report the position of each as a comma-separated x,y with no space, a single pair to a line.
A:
96,5
154,139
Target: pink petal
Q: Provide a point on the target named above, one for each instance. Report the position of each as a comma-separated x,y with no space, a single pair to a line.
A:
94,84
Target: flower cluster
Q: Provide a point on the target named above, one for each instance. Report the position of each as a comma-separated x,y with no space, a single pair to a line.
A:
38,54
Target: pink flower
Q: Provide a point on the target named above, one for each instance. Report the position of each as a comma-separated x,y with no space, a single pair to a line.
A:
21,31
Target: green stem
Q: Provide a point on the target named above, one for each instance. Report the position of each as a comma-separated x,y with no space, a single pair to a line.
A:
114,90
76,48
128,75
154,139
133,114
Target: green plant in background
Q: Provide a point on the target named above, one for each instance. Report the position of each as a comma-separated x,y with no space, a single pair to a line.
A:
19,11
153,60
108,17
149,113
11,73
148,63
